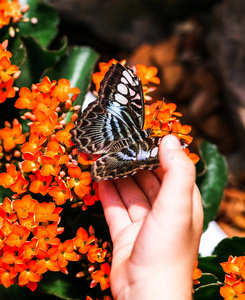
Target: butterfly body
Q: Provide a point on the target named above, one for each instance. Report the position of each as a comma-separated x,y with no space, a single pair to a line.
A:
112,126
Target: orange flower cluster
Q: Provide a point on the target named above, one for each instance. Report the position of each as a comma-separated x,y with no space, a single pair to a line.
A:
49,166
29,246
162,119
87,245
104,67
8,73
10,10
234,287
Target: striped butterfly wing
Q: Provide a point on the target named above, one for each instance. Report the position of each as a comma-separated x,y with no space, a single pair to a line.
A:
113,125
115,115
127,161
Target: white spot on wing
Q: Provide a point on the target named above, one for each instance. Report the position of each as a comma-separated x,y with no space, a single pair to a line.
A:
121,99
128,77
132,92
154,152
122,88
124,80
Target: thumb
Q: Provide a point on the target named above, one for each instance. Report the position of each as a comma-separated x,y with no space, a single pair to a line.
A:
178,177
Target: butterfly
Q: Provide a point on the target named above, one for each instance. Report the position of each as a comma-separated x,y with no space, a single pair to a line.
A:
112,126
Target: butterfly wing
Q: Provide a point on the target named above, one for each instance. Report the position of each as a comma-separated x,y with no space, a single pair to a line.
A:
115,115
121,93
127,161
97,130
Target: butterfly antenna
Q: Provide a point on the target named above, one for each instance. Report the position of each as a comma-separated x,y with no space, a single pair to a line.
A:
155,118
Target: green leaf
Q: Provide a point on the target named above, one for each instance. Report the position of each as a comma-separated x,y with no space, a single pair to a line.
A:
212,182
68,287
5,193
77,67
18,51
207,292
47,20
211,264
4,33
234,246
16,292
37,60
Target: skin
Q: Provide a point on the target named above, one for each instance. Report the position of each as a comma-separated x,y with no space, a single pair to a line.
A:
155,220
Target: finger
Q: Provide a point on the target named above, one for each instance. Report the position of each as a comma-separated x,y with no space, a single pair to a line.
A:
197,211
133,198
149,183
116,213
175,195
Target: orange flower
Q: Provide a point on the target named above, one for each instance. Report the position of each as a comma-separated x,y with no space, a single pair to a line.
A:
7,205
50,165
3,46
147,74
24,206
6,69
9,178
30,248
93,196
27,98
48,261
104,67
80,181
12,9
12,137
4,20
7,274
233,292
6,90
62,90
34,143
46,104
20,185
194,157
29,222
12,255
28,272
60,193
46,85
40,184
181,131
96,254
18,236
83,241
66,253
102,276
45,124
64,136
47,212
234,265
197,273
47,236
31,162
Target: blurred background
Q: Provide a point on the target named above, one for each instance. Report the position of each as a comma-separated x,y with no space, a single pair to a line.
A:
198,47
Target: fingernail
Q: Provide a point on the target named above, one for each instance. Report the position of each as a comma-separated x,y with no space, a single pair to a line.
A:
172,142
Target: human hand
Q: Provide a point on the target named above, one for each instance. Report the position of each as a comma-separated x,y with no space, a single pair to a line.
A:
155,221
